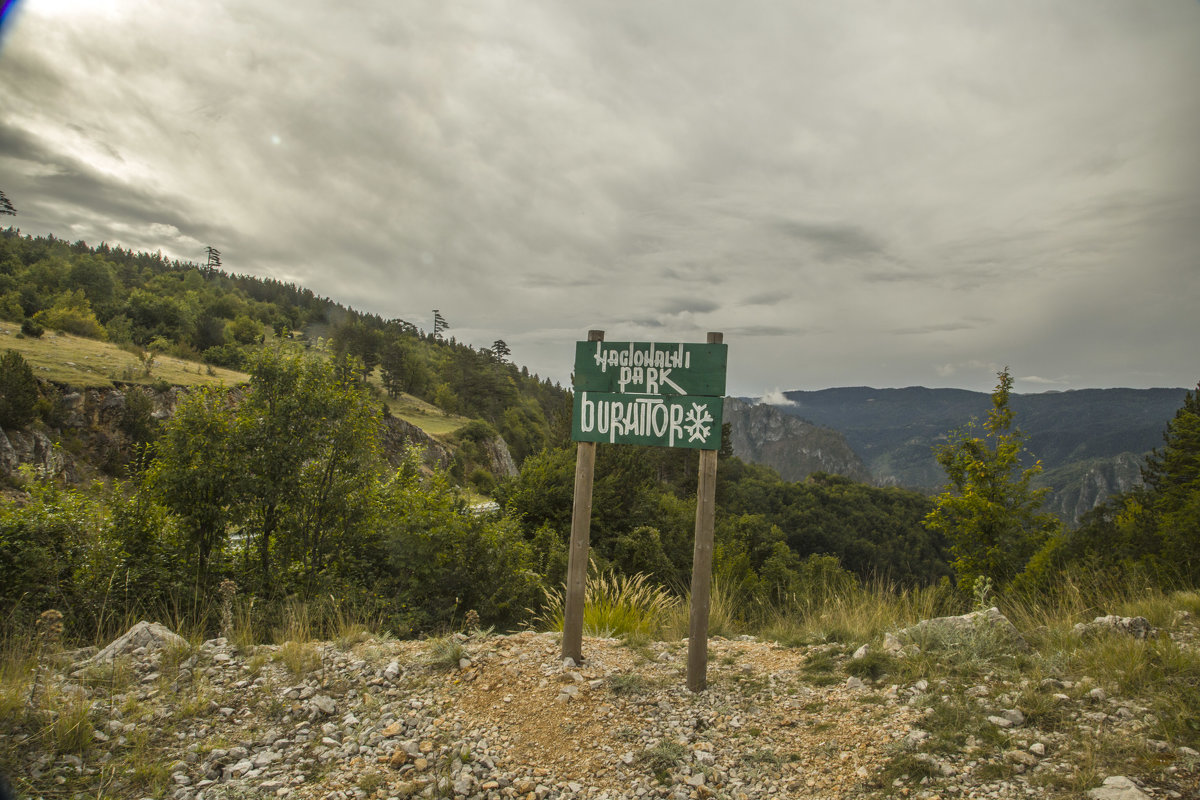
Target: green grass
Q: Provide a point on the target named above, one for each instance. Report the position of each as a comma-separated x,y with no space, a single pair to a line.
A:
615,606
444,653
661,759
856,615
629,684
425,416
300,658
90,363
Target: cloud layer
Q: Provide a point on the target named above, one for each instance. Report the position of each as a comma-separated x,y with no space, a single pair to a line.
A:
854,193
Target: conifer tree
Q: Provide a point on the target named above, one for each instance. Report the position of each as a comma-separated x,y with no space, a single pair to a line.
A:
1172,490
18,391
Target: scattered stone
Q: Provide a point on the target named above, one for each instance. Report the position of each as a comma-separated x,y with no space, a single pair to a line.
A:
322,704
1021,757
494,732
1137,627
1014,716
1117,787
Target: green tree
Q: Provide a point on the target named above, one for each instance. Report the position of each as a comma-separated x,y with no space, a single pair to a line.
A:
18,391
192,474
440,560
292,463
42,545
307,450
72,312
989,513
1167,511
245,330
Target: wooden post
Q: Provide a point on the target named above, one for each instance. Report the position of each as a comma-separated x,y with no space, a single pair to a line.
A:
706,490
577,558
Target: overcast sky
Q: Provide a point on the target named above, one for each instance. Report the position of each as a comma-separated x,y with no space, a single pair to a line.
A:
855,193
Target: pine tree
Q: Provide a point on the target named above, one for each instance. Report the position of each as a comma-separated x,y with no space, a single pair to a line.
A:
18,391
1172,490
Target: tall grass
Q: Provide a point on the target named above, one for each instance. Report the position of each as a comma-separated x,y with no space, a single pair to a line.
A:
726,606
855,614
614,605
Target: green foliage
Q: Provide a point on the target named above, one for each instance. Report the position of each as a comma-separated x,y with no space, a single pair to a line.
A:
662,758
244,330
989,512
438,559
293,464
137,417
42,546
444,653
192,475
72,313
18,391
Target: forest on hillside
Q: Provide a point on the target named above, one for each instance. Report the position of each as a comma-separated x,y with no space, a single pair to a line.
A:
150,304
277,490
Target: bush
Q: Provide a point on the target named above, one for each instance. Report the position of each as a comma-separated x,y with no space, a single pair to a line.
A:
42,545
30,328
439,559
79,321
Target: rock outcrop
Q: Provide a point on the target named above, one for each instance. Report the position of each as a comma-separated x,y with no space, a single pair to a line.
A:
794,447
988,623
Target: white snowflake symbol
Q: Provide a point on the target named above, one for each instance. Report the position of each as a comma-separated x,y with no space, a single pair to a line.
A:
697,423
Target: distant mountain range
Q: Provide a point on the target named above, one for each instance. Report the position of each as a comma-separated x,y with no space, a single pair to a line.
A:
1091,442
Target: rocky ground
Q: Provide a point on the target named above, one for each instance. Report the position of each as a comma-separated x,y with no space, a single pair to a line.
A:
493,717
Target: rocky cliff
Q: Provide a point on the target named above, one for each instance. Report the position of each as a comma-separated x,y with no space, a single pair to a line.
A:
795,447
1078,488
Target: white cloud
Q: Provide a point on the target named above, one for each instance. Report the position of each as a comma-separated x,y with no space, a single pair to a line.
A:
776,397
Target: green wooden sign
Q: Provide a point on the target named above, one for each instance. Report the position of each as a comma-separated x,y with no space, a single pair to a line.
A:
667,395
650,368
663,421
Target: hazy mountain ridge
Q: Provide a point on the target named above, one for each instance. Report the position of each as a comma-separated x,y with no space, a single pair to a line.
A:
1090,441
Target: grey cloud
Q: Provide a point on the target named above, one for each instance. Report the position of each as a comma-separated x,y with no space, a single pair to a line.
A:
778,172
942,327
832,241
